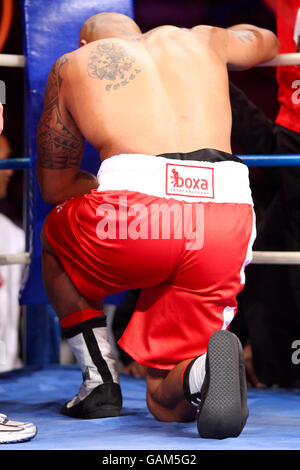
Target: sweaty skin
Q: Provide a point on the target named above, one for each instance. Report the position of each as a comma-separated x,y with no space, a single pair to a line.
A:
159,92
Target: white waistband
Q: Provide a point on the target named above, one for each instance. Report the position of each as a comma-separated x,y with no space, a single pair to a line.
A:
225,181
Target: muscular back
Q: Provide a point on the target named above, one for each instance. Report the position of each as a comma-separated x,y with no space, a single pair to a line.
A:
160,92
165,93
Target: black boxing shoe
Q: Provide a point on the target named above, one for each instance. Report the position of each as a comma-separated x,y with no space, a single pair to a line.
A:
223,410
104,401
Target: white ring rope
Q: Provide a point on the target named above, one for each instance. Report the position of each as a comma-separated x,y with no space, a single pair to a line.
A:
19,258
259,257
292,58
283,59
12,60
276,257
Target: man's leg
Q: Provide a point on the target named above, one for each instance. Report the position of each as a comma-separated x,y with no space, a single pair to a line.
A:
84,326
165,396
212,386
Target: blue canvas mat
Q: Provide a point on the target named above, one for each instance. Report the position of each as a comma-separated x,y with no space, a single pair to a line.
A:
37,395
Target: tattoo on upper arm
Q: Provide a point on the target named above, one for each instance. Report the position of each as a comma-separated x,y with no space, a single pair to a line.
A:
244,36
58,147
111,62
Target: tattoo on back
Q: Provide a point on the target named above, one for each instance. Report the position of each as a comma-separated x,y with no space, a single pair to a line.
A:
58,147
111,62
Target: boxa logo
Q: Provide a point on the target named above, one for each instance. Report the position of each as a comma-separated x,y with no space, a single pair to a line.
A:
179,182
188,180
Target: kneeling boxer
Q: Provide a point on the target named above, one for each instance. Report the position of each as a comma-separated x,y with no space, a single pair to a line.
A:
170,212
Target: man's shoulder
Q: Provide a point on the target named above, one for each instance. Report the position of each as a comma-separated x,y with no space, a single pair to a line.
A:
204,32
206,35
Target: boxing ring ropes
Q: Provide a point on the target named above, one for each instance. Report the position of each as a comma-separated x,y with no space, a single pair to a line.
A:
259,257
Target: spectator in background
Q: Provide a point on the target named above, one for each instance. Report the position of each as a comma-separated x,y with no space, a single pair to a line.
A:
12,240
10,431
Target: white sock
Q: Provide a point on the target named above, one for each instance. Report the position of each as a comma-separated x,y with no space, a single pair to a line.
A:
197,374
193,380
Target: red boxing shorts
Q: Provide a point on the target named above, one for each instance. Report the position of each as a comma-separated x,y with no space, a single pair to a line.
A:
178,226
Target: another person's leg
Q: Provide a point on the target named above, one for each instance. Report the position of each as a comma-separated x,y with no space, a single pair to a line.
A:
12,432
252,130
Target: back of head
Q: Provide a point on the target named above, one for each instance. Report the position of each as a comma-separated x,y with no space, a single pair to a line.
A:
107,25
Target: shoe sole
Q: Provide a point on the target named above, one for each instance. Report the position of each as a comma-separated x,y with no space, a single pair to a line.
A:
75,412
223,410
31,433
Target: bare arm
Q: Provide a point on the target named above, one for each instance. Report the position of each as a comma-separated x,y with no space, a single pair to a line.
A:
60,145
247,45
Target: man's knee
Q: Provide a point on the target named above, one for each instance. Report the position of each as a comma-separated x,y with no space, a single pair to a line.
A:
182,412
157,410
